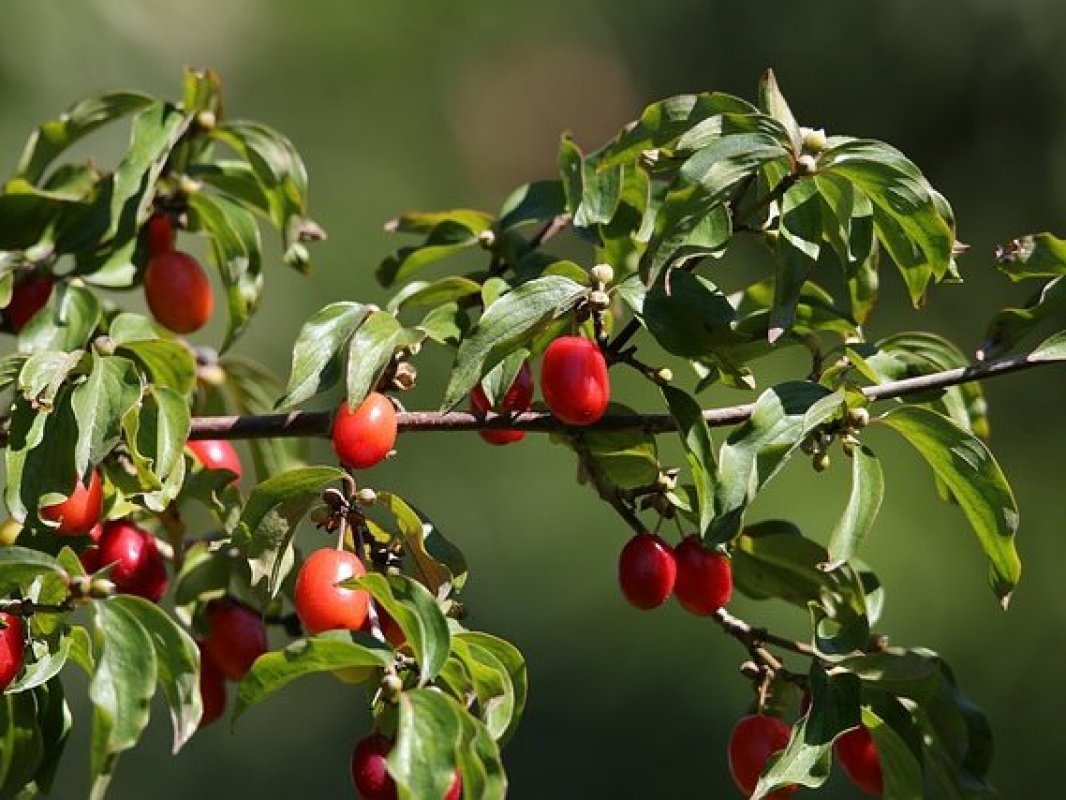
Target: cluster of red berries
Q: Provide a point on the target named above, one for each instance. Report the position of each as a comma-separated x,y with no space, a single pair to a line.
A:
759,737
649,571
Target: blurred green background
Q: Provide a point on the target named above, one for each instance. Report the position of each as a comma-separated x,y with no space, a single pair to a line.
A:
429,104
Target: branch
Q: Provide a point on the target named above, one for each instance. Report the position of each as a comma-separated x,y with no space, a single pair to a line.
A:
25,608
317,423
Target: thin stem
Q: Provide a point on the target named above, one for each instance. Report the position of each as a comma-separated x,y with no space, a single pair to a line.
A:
604,487
555,226
753,638
317,423
22,607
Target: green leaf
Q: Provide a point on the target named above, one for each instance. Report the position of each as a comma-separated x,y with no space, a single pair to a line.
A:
1051,349
447,238
901,769
438,564
81,119
282,179
39,457
687,314
21,746
1038,255
371,350
772,559
867,492
66,323
773,103
43,374
236,252
540,201
806,759
592,194
627,458
699,450
264,532
316,364
433,293
54,722
798,248
156,130
121,689
167,362
111,390
435,737
505,326
156,434
507,657
1011,325
970,471
327,652
177,662
45,658
755,451
416,612
906,214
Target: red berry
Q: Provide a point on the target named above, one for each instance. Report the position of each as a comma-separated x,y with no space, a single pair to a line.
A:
455,791
159,235
139,567
216,454
79,513
12,648
178,291
857,754
647,570
573,377
370,772
704,578
212,688
28,297
236,637
363,437
518,398
320,603
754,740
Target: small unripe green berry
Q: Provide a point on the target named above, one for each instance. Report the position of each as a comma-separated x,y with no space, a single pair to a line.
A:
858,417
664,375
486,239
206,120
602,274
820,462
188,186
100,588
814,140
366,496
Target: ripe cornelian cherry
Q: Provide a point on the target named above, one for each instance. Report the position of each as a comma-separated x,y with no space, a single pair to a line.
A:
573,378
517,399
857,753
363,437
139,567
178,291
80,512
159,235
236,637
754,739
212,689
216,454
704,578
12,648
647,570
320,603
370,773
28,297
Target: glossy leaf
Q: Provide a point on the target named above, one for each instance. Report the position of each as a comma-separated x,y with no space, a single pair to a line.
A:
699,450
971,472
110,391
1011,325
326,652
438,564
867,492
1038,255
687,314
370,351
316,364
508,658
505,326
66,323
798,248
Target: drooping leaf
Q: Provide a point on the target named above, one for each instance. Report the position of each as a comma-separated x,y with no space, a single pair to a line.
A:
699,450
867,491
66,323
971,472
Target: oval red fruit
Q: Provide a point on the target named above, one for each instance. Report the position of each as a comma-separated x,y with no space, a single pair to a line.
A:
28,297
857,753
139,567
647,570
704,577
320,603
236,637
159,235
178,291
80,512
12,648
216,454
754,740
574,380
212,688
370,772
363,437
517,399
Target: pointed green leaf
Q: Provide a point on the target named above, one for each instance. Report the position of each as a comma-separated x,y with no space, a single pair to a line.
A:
974,477
111,390
699,450
867,491
371,349
316,364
